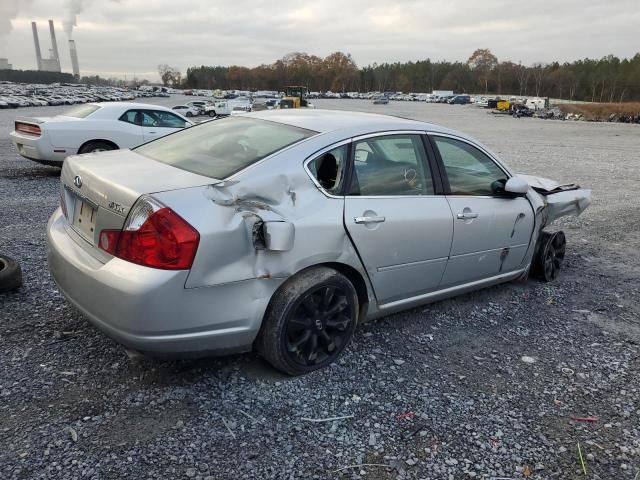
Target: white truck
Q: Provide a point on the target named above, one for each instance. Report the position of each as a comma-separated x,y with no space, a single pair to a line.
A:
228,107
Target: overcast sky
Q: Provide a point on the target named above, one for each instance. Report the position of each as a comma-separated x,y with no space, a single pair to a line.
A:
126,37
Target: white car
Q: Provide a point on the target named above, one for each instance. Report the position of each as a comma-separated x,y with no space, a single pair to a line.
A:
186,110
93,127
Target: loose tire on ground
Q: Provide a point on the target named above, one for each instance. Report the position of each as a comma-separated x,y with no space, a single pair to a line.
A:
549,256
309,321
97,146
10,274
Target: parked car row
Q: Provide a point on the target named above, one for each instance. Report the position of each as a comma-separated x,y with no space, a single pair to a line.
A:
216,108
16,95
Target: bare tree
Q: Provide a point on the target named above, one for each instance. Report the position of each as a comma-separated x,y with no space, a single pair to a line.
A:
483,62
538,77
169,75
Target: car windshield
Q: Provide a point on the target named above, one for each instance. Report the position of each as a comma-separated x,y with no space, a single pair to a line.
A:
81,111
223,147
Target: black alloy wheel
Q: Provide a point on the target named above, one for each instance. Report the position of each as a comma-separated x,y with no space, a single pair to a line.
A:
551,252
310,321
319,326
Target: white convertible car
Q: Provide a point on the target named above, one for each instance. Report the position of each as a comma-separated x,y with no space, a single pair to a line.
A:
93,127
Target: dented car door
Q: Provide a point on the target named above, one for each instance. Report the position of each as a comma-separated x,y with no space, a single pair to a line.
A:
492,230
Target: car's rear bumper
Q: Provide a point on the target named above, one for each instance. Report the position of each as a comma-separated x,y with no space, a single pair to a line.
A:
150,309
39,149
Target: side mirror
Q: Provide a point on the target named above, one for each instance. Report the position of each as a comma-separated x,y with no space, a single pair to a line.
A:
516,186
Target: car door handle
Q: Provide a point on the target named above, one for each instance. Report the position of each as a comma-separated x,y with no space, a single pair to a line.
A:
151,132
467,215
369,219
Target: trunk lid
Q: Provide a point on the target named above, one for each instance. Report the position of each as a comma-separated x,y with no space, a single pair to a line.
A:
99,189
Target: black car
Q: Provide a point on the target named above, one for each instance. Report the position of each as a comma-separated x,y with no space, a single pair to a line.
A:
459,100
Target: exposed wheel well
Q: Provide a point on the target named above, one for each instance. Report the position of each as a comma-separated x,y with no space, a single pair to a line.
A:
95,140
357,281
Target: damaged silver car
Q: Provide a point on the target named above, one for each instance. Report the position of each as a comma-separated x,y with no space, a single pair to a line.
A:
282,230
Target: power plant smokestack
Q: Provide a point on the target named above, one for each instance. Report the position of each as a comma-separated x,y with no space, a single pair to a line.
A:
74,58
37,44
54,44
51,64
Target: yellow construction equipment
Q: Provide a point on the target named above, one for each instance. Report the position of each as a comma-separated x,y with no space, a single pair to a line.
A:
294,97
503,106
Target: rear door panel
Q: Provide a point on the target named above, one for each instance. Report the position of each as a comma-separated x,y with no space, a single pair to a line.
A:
396,216
405,255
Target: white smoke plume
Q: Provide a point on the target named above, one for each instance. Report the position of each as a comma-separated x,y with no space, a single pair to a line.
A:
73,8
9,10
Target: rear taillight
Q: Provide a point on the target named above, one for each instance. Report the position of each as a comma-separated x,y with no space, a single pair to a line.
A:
28,128
153,236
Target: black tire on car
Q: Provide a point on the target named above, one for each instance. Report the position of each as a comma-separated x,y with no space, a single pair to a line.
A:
10,274
97,146
309,322
189,114
549,256
212,113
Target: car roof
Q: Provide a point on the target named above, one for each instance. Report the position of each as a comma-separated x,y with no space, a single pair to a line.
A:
357,123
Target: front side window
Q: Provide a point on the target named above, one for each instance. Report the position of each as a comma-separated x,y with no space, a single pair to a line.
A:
220,148
469,171
328,169
390,165
159,118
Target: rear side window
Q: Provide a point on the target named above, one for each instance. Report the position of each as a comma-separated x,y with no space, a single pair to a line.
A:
81,111
220,148
393,165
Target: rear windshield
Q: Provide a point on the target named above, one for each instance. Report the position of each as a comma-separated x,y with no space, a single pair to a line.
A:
81,111
223,147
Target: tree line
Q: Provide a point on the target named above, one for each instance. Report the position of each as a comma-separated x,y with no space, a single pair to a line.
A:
609,79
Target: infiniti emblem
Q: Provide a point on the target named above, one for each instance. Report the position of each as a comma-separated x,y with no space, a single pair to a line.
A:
77,181
318,324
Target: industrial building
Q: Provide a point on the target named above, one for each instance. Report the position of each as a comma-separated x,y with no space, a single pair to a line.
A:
52,64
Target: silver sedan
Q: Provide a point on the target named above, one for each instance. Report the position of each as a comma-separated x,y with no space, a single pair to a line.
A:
282,230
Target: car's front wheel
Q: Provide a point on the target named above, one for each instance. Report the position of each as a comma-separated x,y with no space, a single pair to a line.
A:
97,146
549,256
309,322
212,113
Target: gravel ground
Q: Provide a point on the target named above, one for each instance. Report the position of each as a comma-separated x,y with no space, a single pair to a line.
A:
487,385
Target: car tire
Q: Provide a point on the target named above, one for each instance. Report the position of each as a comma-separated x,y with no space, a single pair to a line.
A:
549,256
10,274
212,113
189,114
97,146
309,322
